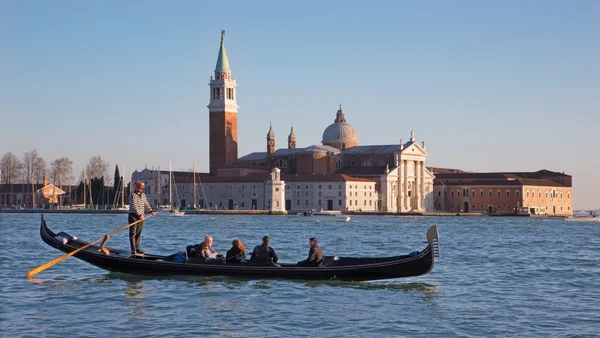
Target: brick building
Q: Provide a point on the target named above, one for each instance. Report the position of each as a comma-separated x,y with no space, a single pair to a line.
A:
542,192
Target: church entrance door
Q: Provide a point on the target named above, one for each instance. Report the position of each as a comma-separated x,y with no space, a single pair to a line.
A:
329,204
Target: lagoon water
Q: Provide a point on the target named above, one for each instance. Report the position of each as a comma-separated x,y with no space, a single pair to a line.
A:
497,276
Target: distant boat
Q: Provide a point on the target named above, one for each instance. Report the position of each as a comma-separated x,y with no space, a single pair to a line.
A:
323,216
591,218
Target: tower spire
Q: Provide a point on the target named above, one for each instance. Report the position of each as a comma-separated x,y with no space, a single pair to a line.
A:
222,60
292,140
270,140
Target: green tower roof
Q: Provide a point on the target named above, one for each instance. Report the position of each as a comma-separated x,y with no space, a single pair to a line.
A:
222,61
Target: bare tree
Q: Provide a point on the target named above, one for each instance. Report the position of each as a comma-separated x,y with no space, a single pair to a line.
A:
61,170
34,167
10,168
97,168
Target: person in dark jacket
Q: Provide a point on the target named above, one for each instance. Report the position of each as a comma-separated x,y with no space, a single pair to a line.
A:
315,254
263,254
237,253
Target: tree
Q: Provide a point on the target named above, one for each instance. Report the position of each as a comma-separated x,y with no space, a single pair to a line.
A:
34,167
61,170
97,168
117,178
10,168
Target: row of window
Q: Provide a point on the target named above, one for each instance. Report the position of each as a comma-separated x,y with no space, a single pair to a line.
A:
553,194
280,163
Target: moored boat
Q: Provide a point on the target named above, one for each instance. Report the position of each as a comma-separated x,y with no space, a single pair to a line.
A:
592,218
334,268
323,216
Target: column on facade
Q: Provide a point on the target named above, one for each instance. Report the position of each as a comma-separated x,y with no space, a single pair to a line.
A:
400,204
423,184
406,197
417,185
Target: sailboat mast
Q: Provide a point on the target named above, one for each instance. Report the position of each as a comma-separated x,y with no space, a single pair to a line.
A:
170,178
84,187
195,184
123,188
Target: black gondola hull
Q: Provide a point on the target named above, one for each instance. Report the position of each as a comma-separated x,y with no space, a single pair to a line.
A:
346,268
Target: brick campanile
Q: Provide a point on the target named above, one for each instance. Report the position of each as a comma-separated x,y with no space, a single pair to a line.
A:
222,109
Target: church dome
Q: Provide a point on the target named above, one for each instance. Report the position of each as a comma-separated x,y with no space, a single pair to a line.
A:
340,134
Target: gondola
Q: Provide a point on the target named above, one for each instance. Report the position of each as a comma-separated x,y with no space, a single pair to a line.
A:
334,268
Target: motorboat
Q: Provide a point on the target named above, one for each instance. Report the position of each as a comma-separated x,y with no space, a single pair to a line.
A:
323,216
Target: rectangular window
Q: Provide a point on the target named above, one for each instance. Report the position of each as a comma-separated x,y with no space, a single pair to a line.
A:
297,202
339,193
319,194
298,187
473,193
330,186
507,193
480,193
439,194
365,202
339,202
319,186
350,202
498,193
452,193
306,202
306,193
319,202
490,194
517,193
370,202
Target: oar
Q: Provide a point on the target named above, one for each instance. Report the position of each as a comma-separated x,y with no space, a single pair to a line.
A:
62,258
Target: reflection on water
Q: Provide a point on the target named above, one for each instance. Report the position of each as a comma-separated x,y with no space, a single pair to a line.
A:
134,290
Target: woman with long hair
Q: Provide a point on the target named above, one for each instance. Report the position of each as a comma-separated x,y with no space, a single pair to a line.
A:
237,253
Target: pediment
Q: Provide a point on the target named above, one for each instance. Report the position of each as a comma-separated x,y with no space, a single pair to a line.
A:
414,149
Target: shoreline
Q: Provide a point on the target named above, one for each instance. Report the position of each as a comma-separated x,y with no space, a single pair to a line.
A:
264,212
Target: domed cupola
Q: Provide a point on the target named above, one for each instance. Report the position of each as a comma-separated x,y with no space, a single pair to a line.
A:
340,134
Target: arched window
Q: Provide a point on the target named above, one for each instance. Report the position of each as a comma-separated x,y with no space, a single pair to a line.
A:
281,163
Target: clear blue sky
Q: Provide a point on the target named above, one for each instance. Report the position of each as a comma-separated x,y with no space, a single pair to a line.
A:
488,85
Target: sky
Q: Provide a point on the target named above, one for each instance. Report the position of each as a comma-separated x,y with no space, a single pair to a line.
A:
488,85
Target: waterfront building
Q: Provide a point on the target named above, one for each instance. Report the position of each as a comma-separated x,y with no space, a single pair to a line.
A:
542,192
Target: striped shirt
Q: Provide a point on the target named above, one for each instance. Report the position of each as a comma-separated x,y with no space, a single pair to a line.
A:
138,204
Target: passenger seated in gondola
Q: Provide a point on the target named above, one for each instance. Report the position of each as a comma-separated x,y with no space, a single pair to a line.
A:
209,240
315,254
208,254
194,253
263,254
237,253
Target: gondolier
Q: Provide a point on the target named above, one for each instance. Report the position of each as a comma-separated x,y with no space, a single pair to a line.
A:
138,205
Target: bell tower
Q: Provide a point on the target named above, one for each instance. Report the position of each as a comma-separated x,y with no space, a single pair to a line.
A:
222,109
270,140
